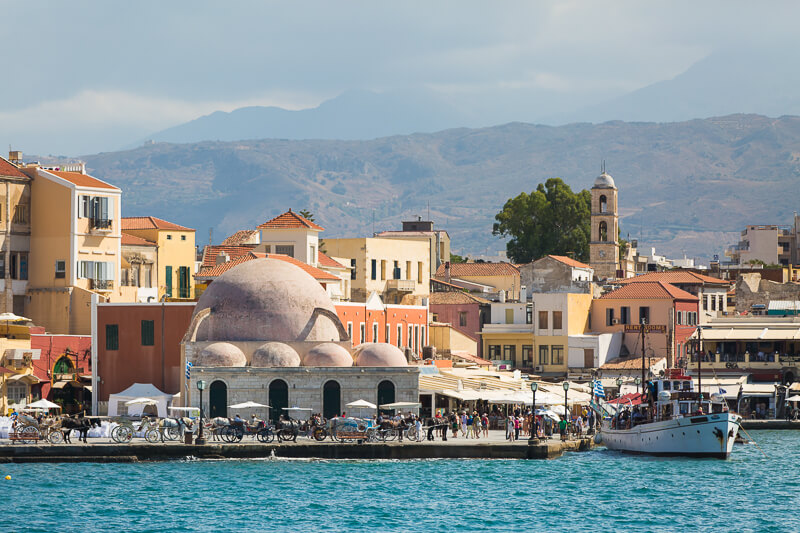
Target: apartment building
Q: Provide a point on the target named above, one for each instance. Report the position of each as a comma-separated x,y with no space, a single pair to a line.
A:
15,235
770,244
422,230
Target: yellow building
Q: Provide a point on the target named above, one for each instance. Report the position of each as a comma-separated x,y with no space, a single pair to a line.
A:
15,234
482,277
397,270
75,247
175,254
508,336
422,230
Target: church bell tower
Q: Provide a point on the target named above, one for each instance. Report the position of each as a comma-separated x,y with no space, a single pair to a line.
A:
604,243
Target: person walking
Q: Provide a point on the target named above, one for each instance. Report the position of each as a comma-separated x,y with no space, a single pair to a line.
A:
517,427
476,425
510,428
485,425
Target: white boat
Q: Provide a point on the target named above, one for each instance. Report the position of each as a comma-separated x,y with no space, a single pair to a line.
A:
670,419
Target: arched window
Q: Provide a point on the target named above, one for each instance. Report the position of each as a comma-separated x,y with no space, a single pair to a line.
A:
63,366
385,395
603,203
603,231
218,400
331,399
278,398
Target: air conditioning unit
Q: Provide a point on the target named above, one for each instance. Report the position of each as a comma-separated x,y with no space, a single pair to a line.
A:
615,321
537,369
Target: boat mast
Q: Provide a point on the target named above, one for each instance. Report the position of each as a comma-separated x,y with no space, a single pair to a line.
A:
699,359
641,327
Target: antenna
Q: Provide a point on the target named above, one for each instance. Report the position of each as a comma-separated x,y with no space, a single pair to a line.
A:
429,210
373,222
603,167
210,236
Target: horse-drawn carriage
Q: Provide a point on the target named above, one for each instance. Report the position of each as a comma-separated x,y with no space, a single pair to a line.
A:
153,429
350,429
28,430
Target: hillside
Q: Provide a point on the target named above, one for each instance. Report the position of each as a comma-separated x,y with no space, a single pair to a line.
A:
683,186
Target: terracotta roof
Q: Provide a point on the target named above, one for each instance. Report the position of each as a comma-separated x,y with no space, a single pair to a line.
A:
290,220
133,240
469,357
569,261
131,223
654,290
329,262
210,253
676,276
218,270
239,237
9,169
82,180
455,298
623,363
458,270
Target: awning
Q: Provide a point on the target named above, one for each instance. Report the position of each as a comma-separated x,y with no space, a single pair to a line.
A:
88,387
749,334
757,390
27,378
60,384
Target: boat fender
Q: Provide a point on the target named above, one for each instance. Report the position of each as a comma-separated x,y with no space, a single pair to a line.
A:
598,438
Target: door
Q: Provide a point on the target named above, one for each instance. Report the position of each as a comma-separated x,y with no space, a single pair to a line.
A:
588,358
386,395
218,400
331,399
278,399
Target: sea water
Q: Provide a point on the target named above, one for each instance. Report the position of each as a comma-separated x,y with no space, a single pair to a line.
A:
757,489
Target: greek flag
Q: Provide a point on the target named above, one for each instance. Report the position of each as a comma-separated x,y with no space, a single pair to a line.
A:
598,389
188,370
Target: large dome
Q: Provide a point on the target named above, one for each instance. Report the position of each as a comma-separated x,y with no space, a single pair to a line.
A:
269,300
328,354
604,181
221,354
379,354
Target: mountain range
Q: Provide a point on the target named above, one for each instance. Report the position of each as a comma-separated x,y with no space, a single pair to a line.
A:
684,186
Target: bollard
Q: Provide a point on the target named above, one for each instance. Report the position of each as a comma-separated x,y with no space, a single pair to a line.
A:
187,437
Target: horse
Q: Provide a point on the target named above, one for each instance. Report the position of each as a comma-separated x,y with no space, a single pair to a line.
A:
80,424
181,423
215,426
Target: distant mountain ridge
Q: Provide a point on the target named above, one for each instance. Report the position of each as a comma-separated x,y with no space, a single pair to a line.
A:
685,186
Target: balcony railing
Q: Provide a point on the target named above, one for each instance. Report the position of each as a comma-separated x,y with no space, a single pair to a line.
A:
401,285
102,284
183,292
101,223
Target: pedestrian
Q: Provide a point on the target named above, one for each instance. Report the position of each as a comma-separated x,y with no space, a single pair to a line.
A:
476,425
517,427
464,424
485,425
431,427
510,428
469,425
562,427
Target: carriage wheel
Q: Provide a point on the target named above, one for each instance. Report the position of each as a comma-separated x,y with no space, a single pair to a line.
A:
173,433
265,435
55,437
152,435
29,434
288,434
124,435
320,434
228,434
390,435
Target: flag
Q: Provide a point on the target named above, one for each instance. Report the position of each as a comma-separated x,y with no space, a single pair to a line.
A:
188,370
598,389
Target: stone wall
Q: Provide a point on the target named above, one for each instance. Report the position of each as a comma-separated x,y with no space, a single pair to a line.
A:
752,289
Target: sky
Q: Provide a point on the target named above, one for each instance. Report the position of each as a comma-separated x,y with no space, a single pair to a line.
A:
88,76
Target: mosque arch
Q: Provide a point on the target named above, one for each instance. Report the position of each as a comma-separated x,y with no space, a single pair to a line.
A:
386,394
278,398
331,399
218,399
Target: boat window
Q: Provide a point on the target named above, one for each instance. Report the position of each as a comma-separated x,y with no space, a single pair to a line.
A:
676,385
687,385
684,408
665,385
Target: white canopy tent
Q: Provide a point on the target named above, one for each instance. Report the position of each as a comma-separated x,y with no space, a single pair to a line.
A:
136,391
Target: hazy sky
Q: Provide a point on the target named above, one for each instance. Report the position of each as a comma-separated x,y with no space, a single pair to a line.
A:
82,77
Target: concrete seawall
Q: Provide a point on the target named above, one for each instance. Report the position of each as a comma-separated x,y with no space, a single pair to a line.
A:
165,452
771,424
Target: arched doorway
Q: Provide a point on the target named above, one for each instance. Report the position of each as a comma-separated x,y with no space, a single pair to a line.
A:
278,398
386,395
218,400
331,399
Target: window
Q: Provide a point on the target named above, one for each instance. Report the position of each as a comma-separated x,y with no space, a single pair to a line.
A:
148,333
350,330
603,203
363,331
169,237
399,335
2,265
625,315
112,337
544,354
416,339
609,317
168,281
462,319
84,207
494,351
644,315
679,317
420,272
183,282
374,332
713,303
101,212
312,255
16,392
183,237
602,232
19,265
410,337
422,335
705,302
408,270
527,355
666,384
509,316
374,269
383,269
61,269
285,249
529,314
434,317
509,352
557,320
21,215
388,338
352,269
557,355
542,319
396,270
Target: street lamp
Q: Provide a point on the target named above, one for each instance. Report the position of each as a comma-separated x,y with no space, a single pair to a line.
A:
638,381
566,412
534,438
619,395
201,385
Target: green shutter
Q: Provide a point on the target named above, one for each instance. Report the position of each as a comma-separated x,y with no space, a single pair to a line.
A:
112,337
168,281
148,333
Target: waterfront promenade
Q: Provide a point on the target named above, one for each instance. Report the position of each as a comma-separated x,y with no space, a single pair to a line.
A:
104,450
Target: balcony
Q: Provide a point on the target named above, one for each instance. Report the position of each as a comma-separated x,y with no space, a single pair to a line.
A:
401,285
101,224
102,284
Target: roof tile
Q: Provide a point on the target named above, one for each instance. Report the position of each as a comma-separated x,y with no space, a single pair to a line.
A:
683,277
327,261
134,223
455,298
290,220
210,253
82,180
133,240
656,290
569,261
217,270
478,269
9,169
239,237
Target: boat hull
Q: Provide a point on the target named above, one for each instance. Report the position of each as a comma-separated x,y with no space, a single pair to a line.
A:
695,436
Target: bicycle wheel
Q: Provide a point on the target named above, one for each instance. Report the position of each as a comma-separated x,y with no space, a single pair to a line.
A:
173,433
320,434
152,435
125,434
55,437
390,435
411,433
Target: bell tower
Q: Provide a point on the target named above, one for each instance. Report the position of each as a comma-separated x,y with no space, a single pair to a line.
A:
604,243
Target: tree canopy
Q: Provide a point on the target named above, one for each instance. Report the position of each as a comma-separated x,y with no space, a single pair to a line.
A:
550,220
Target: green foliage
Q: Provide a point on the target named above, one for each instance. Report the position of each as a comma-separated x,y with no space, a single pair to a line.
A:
550,220
457,258
305,213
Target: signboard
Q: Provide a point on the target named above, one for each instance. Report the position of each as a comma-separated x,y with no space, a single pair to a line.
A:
648,328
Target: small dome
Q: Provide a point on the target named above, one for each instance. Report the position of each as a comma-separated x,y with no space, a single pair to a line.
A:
221,354
328,354
379,354
272,354
604,181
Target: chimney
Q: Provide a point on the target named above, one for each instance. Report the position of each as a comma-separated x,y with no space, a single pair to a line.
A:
15,157
222,258
447,271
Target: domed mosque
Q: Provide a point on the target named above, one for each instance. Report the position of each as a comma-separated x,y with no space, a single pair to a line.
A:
266,331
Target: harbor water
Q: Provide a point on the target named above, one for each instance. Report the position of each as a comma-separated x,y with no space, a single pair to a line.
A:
757,489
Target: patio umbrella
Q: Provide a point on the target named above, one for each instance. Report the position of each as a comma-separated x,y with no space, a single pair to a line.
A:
361,405
401,405
11,317
44,404
795,398
247,405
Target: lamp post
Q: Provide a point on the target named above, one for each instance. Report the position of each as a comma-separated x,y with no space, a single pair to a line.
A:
566,412
201,385
619,396
534,438
638,381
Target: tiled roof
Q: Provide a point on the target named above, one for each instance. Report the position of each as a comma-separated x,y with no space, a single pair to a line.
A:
290,220
458,270
677,276
82,180
469,357
133,240
218,270
455,298
132,223
569,261
210,253
329,262
9,169
654,290
624,363
239,237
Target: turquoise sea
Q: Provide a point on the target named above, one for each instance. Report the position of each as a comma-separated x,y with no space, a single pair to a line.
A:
594,491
